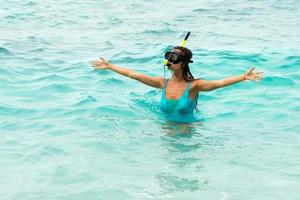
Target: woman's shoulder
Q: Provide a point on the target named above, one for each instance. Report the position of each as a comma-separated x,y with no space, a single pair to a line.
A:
163,81
196,82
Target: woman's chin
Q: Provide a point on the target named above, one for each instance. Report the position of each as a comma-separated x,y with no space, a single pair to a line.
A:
170,68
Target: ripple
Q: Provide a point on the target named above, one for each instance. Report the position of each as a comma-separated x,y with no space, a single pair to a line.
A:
20,16
30,3
238,56
115,21
16,111
10,17
113,81
51,151
137,59
120,111
88,100
58,88
287,66
101,147
172,183
278,81
293,58
225,115
4,51
37,50
147,102
37,152
160,32
201,10
66,176
52,77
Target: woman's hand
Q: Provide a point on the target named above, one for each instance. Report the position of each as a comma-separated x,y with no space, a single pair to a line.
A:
253,75
100,64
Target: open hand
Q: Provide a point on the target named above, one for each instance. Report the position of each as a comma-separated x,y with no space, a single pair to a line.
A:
100,64
253,75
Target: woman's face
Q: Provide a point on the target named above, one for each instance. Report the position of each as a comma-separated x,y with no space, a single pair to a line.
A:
175,67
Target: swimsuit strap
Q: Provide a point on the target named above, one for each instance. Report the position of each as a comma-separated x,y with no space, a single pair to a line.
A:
165,86
187,89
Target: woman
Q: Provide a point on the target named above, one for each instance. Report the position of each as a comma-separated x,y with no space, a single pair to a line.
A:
180,92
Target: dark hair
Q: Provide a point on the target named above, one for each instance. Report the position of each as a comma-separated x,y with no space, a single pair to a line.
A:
187,54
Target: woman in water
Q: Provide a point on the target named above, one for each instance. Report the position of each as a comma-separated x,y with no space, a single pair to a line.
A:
180,92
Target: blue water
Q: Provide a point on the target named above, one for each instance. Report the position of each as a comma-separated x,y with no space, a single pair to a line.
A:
70,132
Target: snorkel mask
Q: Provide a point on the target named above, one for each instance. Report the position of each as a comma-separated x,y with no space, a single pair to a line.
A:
175,58
172,57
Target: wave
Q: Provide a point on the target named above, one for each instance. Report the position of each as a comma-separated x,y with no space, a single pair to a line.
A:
60,88
30,3
240,56
37,50
137,59
4,51
278,81
52,77
120,111
4,110
113,81
115,21
87,100
293,58
160,32
201,10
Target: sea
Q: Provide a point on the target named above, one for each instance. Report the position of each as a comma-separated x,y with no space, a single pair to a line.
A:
70,132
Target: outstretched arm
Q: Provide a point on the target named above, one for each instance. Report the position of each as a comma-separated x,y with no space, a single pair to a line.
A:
202,85
156,82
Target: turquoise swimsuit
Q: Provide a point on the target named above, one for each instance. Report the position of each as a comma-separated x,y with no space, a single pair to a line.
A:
178,109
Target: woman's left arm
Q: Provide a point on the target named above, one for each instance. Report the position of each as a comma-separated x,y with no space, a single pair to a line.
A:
252,75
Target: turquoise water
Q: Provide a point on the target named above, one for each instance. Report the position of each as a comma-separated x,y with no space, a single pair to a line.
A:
69,132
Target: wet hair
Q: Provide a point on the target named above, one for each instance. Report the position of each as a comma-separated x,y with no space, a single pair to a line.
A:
187,54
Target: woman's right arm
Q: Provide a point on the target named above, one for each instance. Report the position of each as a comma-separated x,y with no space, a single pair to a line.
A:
157,82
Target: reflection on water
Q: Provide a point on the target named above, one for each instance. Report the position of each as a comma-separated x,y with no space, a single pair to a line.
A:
181,129
171,183
184,145
191,150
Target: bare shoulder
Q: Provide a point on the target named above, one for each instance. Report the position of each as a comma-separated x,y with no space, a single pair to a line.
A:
194,91
161,81
196,83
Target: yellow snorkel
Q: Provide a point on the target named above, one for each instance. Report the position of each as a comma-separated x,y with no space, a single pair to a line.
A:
183,43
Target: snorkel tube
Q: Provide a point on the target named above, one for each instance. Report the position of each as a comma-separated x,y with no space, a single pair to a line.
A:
183,43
